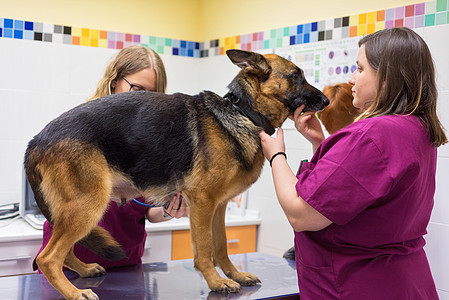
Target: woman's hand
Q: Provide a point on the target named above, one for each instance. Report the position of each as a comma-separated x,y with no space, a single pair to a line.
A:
177,208
309,126
272,145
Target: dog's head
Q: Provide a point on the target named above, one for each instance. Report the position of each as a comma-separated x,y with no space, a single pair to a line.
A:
269,77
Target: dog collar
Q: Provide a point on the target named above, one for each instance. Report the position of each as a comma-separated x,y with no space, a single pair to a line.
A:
245,109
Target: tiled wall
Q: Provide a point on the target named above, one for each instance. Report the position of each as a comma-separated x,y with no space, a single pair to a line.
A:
414,16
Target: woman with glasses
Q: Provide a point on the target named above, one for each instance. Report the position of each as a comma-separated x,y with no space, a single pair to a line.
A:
134,68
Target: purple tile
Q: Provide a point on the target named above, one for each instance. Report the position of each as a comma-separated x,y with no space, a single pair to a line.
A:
389,24
389,14
409,22
136,38
260,36
399,12
420,9
420,21
111,44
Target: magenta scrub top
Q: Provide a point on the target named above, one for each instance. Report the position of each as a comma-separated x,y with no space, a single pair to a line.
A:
126,223
375,180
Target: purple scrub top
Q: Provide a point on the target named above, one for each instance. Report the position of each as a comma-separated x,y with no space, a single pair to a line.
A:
375,180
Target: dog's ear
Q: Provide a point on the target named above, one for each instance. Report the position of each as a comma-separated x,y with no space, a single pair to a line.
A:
251,62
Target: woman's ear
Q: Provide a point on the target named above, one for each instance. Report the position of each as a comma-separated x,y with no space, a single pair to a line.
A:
112,86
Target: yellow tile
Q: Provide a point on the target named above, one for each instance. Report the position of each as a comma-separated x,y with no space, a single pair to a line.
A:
102,43
85,32
353,20
371,17
362,18
380,25
371,28
94,42
84,41
361,30
94,34
76,31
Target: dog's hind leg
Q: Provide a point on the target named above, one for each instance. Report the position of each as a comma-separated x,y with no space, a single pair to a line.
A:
83,269
200,215
220,250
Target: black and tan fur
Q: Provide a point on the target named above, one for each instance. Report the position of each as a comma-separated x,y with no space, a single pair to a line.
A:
155,145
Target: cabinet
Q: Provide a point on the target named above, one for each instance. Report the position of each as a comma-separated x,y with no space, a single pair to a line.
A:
17,257
241,239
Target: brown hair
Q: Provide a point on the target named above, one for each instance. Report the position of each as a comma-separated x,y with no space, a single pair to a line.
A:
340,112
406,76
128,61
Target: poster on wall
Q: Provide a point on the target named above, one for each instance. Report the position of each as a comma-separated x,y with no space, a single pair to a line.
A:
324,63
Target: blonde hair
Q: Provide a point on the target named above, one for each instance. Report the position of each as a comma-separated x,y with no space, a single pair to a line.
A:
128,61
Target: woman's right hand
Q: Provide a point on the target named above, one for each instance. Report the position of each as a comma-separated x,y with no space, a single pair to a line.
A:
309,126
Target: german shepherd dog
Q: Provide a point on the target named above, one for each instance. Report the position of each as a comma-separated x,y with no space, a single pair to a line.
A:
154,145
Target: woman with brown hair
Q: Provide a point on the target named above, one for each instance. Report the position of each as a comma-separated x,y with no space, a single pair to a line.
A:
361,206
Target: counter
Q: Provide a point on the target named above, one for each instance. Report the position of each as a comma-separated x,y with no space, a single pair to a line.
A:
166,280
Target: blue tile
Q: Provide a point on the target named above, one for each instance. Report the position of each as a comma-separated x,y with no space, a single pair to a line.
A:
1,32
176,44
292,40
183,44
8,23
197,46
190,45
29,25
183,51
29,35
299,39
314,26
314,36
306,38
18,34
7,32
307,28
300,28
190,53
18,24
175,51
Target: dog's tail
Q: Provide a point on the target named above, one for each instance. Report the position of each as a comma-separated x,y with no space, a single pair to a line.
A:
34,178
100,241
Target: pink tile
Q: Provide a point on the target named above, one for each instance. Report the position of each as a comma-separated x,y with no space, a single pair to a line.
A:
119,37
260,36
399,23
111,44
399,12
419,21
389,24
409,22
136,38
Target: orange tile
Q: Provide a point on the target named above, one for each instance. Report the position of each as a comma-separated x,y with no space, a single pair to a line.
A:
371,17
103,34
76,40
352,31
237,39
380,15
94,42
221,50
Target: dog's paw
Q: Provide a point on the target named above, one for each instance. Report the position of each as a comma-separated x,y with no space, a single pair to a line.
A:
225,285
84,295
92,270
246,279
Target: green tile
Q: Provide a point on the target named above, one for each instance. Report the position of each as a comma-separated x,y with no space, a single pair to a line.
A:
441,5
430,20
286,31
153,40
279,42
160,41
145,45
448,17
266,44
160,49
168,42
273,33
441,18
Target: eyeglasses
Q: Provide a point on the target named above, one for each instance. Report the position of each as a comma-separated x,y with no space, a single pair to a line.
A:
133,87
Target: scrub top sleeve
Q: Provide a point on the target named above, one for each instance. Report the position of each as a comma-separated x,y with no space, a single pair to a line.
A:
346,175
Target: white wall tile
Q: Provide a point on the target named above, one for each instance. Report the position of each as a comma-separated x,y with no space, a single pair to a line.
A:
436,39
440,213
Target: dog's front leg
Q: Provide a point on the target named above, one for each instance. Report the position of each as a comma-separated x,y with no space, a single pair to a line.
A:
201,213
220,250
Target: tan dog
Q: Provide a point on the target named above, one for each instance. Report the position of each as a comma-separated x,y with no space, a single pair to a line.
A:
154,145
340,112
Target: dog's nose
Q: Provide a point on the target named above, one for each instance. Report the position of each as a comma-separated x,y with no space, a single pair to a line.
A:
326,101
